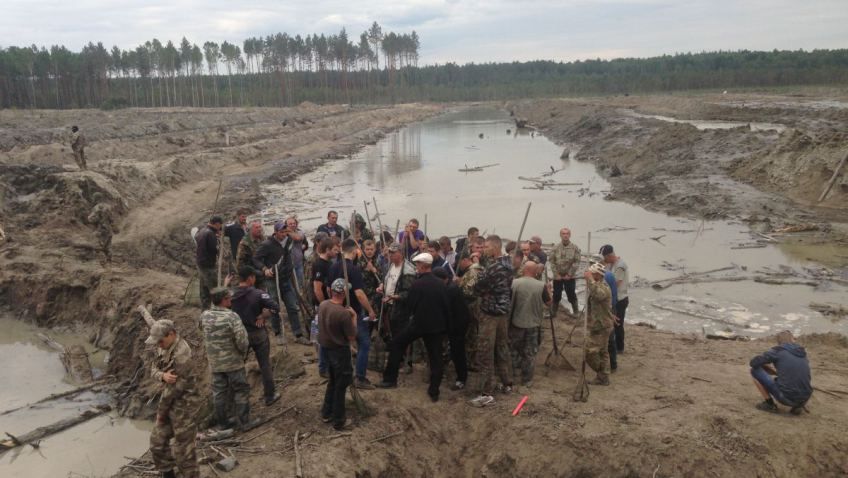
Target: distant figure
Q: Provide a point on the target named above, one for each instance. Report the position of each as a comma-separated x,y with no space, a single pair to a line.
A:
206,257
480,135
78,146
101,217
791,383
236,230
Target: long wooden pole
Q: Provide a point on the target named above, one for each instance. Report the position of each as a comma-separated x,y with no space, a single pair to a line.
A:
832,180
367,215
524,222
379,221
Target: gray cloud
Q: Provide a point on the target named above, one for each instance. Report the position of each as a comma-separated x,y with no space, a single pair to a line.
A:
451,30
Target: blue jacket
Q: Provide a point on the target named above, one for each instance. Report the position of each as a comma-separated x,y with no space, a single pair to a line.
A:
793,370
609,277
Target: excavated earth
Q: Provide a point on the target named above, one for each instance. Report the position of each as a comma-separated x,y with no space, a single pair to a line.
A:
679,405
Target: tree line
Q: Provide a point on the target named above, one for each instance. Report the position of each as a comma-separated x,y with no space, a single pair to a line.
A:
281,70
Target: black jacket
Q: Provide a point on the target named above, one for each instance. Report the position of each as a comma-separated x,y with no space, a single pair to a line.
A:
793,370
207,247
459,315
248,303
429,305
235,232
270,253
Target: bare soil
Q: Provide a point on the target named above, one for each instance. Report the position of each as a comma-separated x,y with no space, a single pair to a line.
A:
679,405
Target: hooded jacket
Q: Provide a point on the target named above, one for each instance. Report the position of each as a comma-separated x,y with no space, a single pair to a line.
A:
248,303
793,370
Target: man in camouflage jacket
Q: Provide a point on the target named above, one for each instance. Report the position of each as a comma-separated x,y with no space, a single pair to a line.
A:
565,259
226,347
600,321
177,405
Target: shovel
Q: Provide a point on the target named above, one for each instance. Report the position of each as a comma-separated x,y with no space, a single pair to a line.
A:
361,407
555,358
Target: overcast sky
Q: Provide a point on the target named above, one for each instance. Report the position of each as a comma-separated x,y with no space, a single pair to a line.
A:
450,30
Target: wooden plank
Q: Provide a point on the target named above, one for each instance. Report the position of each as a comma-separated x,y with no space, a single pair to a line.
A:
47,430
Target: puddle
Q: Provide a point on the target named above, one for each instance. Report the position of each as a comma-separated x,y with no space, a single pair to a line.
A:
38,372
414,173
712,124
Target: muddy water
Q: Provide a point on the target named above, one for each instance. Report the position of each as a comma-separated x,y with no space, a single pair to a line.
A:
712,124
414,173
37,373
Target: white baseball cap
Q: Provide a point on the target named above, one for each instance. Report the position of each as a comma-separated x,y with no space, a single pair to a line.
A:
424,257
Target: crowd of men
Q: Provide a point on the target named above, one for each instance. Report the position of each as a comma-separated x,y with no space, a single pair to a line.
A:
478,307
409,296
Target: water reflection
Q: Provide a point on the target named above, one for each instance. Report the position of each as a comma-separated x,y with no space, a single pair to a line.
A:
414,172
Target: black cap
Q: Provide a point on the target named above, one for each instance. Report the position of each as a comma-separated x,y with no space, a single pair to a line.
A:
606,250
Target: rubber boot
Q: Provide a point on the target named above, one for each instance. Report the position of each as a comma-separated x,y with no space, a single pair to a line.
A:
575,309
554,310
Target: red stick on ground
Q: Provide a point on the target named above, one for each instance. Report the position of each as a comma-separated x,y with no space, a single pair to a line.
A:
519,406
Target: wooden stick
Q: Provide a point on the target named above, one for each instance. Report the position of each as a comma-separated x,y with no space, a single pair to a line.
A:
386,437
829,392
367,215
53,428
524,222
54,396
701,379
379,221
832,180
298,466
426,235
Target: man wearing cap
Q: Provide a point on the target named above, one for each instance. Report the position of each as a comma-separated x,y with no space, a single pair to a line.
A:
337,336
536,250
177,405
273,257
494,286
395,291
622,281
600,322
254,307
206,256
226,348
360,304
457,328
428,302
565,259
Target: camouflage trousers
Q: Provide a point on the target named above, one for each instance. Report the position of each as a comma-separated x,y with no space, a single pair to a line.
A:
471,335
104,238
230,390
597,352
207,278
492,353
180,427
524,345
79,158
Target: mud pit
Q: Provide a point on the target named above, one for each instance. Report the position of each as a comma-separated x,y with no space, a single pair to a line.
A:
679,406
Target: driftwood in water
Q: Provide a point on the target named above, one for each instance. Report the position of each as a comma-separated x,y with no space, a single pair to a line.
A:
47,430
55,396
829,309
472,169
696,314
666,283
773,281
74,359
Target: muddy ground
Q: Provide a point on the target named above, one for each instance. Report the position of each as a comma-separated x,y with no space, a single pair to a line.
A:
160,171
771,179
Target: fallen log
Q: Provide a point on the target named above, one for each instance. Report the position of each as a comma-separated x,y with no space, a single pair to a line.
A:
773,281
697,315
55,396
47,430
665,283
749,246
798,228
704,280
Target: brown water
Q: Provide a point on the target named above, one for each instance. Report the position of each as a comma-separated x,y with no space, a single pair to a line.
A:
94,448
414,173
